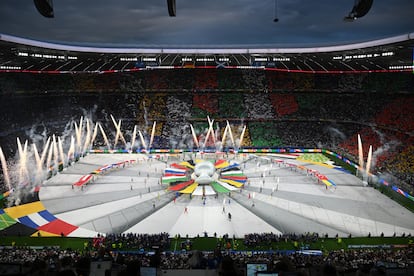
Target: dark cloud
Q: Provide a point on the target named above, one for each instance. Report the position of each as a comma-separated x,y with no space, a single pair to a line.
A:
203,23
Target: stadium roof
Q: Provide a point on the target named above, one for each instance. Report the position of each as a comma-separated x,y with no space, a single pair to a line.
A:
21,54
213,23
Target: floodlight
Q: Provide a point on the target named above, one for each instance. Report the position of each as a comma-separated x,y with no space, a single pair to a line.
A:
171,7
45,7
361,8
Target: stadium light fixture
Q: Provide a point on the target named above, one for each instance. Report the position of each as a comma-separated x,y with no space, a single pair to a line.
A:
361,8
172,11
45,7
276,18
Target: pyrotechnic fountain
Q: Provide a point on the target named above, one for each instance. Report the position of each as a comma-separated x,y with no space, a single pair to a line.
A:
369,159
105,137
230,134
94,134
32,167
23,172
142,140
44,152
55,153
71,151
87,137
194,136
360,154
152,134
78,132
37,159
118,134
223,139
134,135
210,132
365,172
5,170
61,154
227,134
49,156
241,136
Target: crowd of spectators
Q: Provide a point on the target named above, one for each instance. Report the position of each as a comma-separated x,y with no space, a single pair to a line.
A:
205,80
255,239
54,261
136,241
279,109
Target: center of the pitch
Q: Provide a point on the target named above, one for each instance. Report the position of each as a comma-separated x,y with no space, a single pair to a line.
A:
204,172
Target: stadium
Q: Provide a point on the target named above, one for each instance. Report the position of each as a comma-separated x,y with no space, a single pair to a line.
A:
234,145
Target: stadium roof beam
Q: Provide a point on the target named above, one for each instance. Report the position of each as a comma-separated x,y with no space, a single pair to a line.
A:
269,50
